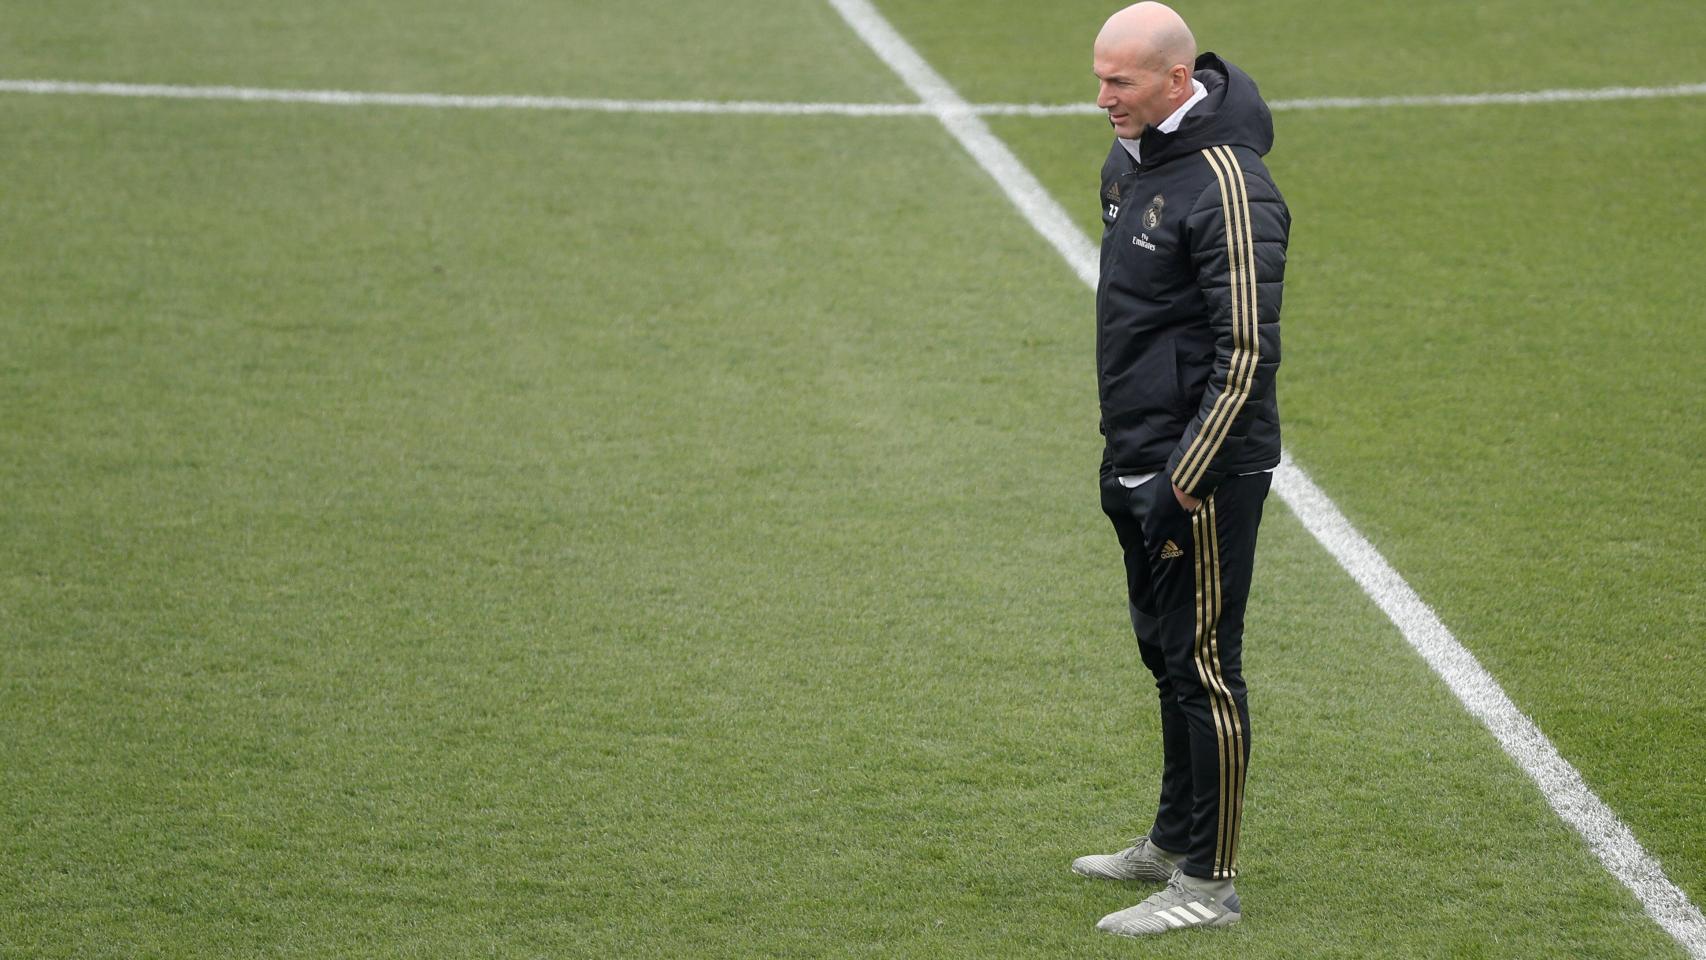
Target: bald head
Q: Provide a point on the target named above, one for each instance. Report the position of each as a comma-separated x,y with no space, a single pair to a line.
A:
1143,58
1149,35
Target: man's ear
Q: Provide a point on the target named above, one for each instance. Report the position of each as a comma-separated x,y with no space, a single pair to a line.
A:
1181,77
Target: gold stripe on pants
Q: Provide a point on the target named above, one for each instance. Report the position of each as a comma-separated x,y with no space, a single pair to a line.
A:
1228,726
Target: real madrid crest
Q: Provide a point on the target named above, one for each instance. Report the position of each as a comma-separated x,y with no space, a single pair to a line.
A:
1152,216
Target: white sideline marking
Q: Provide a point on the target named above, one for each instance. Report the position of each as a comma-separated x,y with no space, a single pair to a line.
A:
456,101
1425,100
1486,99
453,101
1606,835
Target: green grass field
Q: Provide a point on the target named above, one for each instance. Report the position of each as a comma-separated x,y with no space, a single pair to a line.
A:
484,533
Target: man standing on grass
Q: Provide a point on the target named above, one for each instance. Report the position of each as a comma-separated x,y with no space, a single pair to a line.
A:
1187,344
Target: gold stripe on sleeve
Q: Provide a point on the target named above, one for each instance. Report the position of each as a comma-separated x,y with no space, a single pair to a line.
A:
1246,347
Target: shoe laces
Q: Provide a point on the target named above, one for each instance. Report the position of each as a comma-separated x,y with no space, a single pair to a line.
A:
1172,895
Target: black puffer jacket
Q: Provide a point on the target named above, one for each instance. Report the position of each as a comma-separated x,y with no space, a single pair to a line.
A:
1188,305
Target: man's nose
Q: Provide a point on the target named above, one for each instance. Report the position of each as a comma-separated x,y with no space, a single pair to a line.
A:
1103,99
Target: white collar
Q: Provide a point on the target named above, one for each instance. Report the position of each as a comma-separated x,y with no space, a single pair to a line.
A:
1173,120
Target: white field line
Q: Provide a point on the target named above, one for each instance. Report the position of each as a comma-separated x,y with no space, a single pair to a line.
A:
1607,836
1520,98
455,101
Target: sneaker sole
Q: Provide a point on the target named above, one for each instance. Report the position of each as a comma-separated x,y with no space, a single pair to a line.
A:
1095,874
1224,920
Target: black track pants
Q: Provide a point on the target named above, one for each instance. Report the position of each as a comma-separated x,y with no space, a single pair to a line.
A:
1188,579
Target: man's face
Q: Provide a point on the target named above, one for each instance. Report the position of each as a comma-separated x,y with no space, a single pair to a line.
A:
1134,96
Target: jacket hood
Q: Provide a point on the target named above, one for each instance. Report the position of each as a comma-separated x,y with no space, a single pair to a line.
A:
1233,114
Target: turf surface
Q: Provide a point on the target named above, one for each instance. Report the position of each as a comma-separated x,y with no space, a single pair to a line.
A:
676,50
526,534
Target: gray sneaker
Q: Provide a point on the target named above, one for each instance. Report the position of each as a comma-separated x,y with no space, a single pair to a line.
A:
1140,861
1184,903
